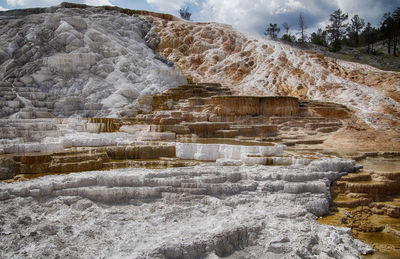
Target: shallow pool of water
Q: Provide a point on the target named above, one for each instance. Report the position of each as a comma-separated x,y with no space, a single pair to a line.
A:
386,245
381,164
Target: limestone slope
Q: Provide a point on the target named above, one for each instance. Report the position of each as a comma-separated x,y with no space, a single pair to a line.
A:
77,61
193,212
96,61
252,65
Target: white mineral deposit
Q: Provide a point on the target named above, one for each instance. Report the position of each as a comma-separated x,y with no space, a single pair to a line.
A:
133,134
203,211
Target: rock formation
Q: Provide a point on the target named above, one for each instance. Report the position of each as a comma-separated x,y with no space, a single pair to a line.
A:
146,213
295,190
83,62
368,202
243,161
251,65
184,113
7,168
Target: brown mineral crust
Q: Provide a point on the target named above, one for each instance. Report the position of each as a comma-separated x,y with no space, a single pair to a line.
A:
140,152
88,159
392,210
105,124
352,202
374,191
214,52
192,39
255,106
380,80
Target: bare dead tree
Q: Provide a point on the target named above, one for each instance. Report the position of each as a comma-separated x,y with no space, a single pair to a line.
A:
286,27
302,27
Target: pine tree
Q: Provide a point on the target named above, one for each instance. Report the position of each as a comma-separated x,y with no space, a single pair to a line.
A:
388,30
272,31
369,37
287,36
396,18
185,14
319,37
337,28
302,28
355,29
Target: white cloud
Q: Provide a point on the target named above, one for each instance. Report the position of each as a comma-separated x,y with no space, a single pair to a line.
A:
255,15
2,8
170,5
97,2
370,10
16,2
250,17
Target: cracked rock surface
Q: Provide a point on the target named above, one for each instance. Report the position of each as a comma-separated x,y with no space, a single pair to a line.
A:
204,211
83,62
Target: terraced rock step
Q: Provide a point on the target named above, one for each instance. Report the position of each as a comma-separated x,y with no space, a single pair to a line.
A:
368,202
202,110
367,189
213,112
59,162
52,71
225,208
167,99
90,159
155,163
28,130
325,109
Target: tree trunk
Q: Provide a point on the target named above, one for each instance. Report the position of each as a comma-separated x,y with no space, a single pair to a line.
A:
357,41
389,45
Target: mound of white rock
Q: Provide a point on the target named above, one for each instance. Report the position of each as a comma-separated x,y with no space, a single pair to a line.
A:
205,211
86,62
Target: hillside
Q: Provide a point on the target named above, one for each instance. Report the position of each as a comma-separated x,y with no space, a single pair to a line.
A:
100,60
153,137
87,62
380,59
82,61
251,65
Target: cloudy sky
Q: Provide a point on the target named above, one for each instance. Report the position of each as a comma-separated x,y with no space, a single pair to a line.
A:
249,16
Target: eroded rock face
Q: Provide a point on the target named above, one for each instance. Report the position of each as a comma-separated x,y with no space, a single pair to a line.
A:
77,61
86,159
96,62
368,202
251,65
189,212
255,106
211,111
377,191
7,168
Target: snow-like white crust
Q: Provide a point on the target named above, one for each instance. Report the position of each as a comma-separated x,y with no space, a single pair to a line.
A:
81,62
203,211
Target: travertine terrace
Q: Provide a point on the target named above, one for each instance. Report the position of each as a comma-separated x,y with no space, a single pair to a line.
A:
251,65
135,134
